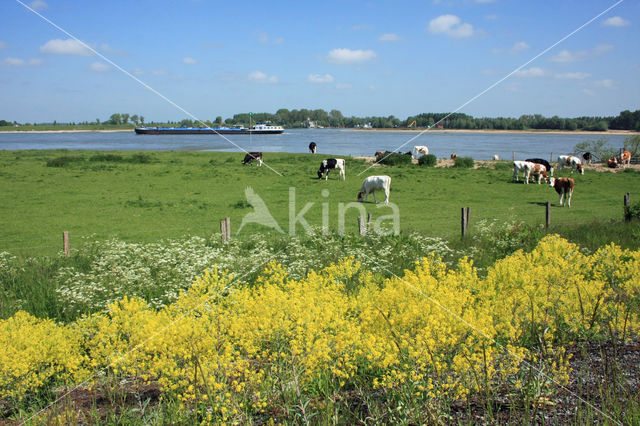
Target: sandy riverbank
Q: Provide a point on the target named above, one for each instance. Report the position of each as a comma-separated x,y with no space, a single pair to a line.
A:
445,162
532,132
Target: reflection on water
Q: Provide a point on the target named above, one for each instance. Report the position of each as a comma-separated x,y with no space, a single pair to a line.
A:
479,146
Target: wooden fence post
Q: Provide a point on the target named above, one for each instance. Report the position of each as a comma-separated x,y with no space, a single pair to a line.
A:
464,221
627,215
65,243
361,226
227,223
223,230
513,154
548,215
551,158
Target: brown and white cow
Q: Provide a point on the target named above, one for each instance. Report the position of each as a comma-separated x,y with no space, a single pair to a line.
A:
625,158
564,188
570,161
539,173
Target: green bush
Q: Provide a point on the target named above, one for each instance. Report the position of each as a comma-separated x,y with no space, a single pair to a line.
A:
140,159
428,160
62,161
107,157
632,212
394,159
465,162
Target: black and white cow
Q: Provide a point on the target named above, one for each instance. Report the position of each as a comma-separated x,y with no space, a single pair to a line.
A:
251,156
330,164
312,147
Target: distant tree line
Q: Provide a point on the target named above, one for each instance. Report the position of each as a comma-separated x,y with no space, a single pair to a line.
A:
295,118
626,120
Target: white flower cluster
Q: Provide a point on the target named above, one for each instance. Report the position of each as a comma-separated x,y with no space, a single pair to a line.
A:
158,271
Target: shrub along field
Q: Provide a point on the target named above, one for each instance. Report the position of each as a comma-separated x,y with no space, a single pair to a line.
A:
147,196
154,320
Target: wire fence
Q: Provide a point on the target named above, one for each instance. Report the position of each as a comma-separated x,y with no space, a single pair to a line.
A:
465,219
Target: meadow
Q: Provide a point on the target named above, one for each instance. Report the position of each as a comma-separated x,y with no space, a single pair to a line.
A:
153,319
147,196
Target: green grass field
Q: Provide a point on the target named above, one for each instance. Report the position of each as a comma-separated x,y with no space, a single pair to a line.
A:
147,196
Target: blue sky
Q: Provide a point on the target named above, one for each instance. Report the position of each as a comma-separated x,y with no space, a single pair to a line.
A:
364,58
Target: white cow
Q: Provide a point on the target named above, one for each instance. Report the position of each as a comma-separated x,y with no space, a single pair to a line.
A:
525,167
419,150
570,161
373,183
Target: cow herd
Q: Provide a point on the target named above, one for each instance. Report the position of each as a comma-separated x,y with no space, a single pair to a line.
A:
537,169
369,186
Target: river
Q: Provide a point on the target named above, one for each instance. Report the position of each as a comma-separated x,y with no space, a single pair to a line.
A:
477,145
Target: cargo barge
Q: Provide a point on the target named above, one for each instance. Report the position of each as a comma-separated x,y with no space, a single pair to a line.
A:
258,129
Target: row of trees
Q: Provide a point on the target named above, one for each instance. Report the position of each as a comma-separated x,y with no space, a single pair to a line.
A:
626,120
123,118
292,119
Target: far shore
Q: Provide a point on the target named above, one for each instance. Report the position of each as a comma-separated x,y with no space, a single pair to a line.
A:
534,132
492,131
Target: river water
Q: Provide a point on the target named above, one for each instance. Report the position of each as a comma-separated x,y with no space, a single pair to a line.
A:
479,146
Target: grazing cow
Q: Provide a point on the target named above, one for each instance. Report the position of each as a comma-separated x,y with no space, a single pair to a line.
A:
496,157
570,161
419,150
545,163
564,188
612,163
373,183
625,158
312,147
539,172
330,164
586,157
454,156
381,153
251,156
525,166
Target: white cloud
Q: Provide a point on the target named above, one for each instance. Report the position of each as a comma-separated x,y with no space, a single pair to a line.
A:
188,60
348,56
14,62
17,62
602,48
616,21
99,67
531,72
451,26
519,47
260,77
38,5
389,37
606,83
108,49
566,56
264,38
573,75
65,47
318,78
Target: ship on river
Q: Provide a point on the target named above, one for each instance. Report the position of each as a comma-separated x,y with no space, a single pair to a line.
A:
258,129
